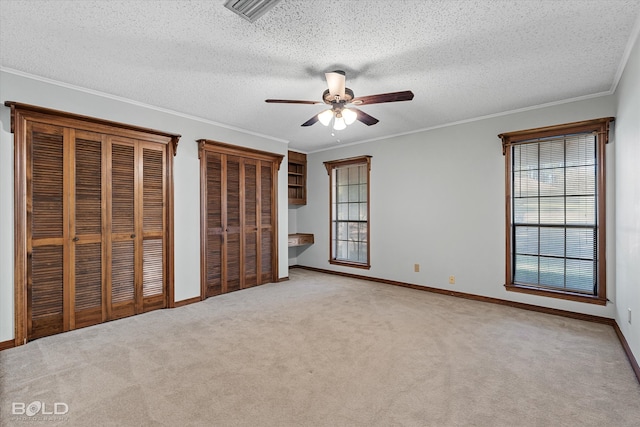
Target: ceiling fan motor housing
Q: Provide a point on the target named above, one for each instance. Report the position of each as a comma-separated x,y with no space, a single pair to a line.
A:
328,99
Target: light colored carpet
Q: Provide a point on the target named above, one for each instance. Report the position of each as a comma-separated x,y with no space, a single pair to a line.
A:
322,350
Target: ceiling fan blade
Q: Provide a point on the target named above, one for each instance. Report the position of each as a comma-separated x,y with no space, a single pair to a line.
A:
406,95
336,80
364,117
290,101
311,121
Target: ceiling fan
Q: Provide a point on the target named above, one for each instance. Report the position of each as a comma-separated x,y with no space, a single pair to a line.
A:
340,98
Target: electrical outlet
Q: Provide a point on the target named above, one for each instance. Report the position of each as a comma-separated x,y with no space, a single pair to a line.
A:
452,280
629,318
416,268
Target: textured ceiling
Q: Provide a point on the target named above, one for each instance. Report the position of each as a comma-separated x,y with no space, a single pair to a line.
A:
462,59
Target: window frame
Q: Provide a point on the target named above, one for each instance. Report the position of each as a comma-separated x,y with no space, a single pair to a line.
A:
331,166
600,127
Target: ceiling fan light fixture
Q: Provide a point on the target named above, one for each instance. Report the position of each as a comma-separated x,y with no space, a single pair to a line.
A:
338,97
349,116
339,123
325,117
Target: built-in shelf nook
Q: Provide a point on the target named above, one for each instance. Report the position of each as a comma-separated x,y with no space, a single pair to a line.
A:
297,168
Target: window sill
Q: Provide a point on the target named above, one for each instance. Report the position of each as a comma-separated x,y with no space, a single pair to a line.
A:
553,293
350,264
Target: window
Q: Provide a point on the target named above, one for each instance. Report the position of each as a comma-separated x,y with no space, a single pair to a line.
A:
349,207
555,210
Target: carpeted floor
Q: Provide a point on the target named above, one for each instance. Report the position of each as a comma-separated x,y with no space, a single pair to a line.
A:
321,350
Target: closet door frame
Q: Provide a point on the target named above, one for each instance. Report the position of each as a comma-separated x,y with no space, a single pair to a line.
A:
21,115
225,150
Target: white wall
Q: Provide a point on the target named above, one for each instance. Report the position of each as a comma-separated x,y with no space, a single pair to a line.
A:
437,199
293,228
20,88
627,173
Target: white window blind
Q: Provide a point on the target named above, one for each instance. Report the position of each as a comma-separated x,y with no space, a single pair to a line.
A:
554,213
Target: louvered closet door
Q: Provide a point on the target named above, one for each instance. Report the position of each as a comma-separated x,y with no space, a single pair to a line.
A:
250,224
238,220
121,289
86,204
267,240
232,254
213,222
93,220
46,230
153,226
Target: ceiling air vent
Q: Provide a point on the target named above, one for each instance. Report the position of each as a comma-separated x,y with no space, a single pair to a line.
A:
250,9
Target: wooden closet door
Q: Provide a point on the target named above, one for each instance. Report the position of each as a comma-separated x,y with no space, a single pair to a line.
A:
46,230
86,203
233,226
153,226
267,221
121,234
93,233
214,231
238,214
250,224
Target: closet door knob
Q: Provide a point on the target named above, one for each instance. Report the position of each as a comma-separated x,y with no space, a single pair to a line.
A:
133,236
75,239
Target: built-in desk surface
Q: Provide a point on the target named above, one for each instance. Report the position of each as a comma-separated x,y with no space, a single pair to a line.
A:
300,239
